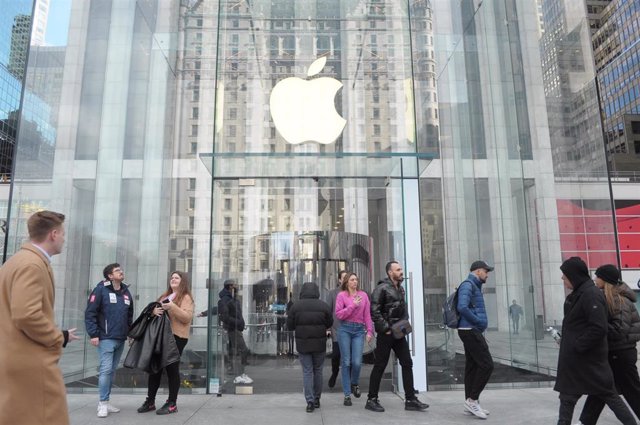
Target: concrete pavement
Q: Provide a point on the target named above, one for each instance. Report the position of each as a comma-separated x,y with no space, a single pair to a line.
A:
530,406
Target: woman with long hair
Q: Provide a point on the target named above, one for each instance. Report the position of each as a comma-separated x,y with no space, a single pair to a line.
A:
354,311
622,335
177,302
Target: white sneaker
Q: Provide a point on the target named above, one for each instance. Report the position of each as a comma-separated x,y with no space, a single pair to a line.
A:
474,407
242,379
111,408
103,409
486,412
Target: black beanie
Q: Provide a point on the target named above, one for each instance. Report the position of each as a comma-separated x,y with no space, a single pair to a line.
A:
576,271
609,273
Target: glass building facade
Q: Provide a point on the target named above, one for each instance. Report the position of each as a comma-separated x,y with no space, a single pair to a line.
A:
278,142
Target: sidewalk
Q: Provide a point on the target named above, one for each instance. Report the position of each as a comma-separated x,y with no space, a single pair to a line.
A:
534,406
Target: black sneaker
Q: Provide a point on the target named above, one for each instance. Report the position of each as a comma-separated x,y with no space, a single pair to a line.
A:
316,403
332,380
415,404
310,407
374,405
147,406
347,401
167,408
355,390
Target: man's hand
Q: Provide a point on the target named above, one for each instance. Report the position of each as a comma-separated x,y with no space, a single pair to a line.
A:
95,341
72,335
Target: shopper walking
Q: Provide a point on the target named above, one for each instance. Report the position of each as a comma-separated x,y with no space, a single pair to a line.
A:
388,307
478,364
177,302
623,333
230,315
582,363
515,311
354,310
311,319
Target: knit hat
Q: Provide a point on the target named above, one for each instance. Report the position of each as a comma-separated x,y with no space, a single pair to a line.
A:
576,270
609,273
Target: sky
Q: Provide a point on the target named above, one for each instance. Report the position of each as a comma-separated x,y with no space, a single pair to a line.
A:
58,23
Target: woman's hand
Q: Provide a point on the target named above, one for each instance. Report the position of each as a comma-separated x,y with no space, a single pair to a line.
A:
158,311
167,305
357,300
369,337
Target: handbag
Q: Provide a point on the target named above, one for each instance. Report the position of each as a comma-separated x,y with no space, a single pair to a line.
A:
401,328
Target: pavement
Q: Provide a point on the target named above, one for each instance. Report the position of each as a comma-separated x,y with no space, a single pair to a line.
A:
507,406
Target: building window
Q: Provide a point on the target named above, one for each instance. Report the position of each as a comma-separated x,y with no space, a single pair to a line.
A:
192,184
194,147
194,130
195,113
192,203
227,204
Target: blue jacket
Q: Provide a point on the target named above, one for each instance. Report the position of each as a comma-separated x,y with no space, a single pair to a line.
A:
109,312
473,313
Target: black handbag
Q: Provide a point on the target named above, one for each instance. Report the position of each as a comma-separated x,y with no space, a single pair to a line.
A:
137,328
401,328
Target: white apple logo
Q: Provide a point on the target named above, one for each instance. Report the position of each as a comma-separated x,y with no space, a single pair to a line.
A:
304,110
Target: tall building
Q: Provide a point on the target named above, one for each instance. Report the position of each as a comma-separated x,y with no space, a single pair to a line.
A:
280,142
40,20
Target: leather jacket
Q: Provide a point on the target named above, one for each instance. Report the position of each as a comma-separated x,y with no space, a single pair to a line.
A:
387,305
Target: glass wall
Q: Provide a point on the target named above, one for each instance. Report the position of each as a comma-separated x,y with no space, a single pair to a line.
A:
278,142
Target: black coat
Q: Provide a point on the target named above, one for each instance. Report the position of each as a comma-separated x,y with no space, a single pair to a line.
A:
387,305
310,317
624,325
583,367
156,349
230,311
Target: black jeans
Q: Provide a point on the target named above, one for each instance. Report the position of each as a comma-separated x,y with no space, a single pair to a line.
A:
173,376
478,364
614,401
625,374
335,357
384,344
238,351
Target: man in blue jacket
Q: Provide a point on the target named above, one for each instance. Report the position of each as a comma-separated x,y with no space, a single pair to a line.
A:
473,322
108,316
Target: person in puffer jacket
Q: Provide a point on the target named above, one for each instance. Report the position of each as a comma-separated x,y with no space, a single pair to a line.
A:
623,333
107,318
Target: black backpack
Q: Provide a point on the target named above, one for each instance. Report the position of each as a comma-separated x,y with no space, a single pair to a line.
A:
450,315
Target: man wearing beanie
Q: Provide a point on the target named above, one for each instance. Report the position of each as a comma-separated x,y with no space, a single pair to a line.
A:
582,363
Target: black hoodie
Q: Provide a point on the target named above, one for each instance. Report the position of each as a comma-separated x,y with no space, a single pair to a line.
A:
576,271
230,311
310,317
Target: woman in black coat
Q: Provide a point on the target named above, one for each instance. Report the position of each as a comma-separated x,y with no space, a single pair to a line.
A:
311,319
582,364
624,332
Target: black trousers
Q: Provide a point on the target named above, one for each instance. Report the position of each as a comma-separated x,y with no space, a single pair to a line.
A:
614,401
238,351
625,374
384,344
478,364
173,376
335,358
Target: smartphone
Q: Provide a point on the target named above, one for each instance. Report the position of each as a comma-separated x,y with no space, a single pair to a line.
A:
165,301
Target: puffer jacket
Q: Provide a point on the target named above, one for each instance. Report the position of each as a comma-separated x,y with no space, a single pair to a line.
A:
473,313
624,326
310,318
388,305
156,349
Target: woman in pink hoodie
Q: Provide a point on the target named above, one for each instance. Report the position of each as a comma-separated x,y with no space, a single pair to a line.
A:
354,311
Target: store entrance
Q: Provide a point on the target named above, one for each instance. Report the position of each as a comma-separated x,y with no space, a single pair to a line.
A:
272,236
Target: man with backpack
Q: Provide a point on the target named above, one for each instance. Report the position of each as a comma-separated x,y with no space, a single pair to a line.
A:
473,323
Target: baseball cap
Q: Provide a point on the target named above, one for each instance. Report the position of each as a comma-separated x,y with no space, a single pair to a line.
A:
481,264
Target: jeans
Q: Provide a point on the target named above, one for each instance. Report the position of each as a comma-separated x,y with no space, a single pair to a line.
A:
384,344
312,375
109,352
625,375
614,401
351,341
173,375
478,364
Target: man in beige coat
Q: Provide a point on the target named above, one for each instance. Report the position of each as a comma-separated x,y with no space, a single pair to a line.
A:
32,391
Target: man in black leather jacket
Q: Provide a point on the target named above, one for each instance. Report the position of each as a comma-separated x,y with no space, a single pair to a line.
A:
387,307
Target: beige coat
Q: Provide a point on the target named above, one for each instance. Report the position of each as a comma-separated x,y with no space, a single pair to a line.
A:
181,316
32,391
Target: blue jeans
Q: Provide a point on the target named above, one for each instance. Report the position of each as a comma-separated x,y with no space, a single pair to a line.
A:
312,375
351,339
109,352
